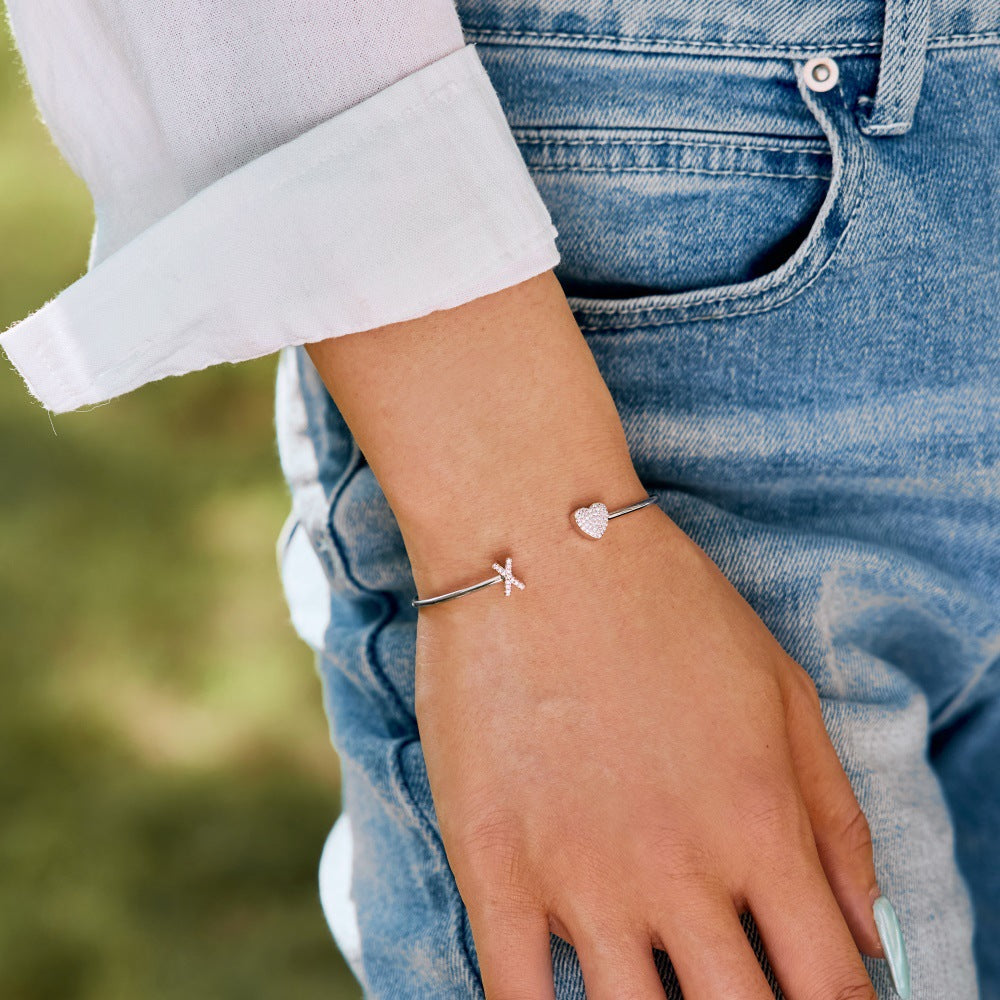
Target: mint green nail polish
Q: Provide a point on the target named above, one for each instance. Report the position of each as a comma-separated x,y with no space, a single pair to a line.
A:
893,945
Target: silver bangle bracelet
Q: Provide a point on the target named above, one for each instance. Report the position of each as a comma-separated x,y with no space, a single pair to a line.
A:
592,522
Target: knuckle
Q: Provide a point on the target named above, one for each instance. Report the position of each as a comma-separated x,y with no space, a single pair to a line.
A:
803,686
855,833
765,818
603,938
783,844
489,831
590,909
491,851
683,865
776,815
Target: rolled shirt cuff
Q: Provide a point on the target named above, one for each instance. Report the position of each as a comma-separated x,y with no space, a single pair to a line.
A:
414,200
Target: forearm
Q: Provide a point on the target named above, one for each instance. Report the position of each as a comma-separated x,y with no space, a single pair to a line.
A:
485,425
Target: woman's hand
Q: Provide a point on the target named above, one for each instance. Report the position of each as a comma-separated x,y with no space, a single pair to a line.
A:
623,753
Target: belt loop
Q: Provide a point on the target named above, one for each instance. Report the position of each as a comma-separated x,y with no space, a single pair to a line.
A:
901,68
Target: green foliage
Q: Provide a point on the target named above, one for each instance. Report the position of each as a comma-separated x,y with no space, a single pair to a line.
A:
166,777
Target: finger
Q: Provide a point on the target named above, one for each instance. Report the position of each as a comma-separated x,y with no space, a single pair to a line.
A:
616,963
515,956
841,831
709,950
806,938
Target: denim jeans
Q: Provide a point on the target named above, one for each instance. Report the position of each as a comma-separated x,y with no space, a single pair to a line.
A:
793,294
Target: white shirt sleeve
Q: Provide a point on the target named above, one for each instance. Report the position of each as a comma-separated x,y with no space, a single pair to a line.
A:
265,175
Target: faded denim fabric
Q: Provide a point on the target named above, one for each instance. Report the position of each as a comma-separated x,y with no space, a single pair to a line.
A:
794,297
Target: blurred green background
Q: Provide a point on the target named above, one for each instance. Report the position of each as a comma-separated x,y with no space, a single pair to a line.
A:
166,777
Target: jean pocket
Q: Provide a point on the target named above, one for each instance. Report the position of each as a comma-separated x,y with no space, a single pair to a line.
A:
658,212
682,187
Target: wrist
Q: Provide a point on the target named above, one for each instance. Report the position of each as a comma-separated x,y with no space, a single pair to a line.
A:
530,521
486,426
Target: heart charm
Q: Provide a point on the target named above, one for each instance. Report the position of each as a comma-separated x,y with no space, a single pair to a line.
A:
592,520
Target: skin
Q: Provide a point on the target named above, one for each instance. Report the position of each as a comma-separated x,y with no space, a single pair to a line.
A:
621,753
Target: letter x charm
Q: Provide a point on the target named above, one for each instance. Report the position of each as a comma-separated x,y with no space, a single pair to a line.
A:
508,577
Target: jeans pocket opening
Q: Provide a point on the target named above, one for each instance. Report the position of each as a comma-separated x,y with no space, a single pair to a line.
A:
815,250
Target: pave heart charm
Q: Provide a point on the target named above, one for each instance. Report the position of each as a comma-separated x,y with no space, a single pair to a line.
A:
592,520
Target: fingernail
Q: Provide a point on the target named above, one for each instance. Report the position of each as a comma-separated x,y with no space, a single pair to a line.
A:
893,945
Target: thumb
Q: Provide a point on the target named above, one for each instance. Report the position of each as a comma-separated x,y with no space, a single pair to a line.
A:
840,829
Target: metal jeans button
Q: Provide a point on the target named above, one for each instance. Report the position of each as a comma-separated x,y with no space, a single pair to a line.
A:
821,74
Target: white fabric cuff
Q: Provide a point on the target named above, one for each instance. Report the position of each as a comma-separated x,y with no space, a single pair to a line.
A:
414,200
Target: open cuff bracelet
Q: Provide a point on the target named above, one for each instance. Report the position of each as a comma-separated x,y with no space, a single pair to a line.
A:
592,521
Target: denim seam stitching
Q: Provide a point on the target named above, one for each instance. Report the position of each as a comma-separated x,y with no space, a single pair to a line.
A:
842,47
661,40
527,140
895,102
961,41
647,312
884,127
576,169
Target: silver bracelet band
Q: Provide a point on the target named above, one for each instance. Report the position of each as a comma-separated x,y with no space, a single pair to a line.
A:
592,522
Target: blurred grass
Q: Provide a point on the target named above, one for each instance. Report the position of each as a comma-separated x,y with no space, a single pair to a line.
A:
166,778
